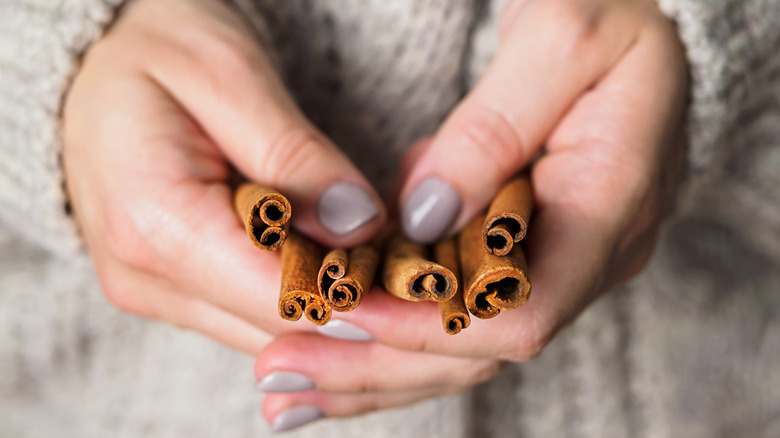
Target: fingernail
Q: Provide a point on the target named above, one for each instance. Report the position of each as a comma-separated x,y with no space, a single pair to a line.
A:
430,210
285,381
345,207
296,417
343,330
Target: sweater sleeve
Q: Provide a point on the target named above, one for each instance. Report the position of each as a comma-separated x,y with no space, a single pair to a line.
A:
41,43
732,49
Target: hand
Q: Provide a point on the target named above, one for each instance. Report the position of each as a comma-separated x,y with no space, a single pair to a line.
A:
175,94
597,89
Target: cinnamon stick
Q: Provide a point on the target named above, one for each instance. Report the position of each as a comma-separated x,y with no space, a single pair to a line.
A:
408,272
508,216
346,275
491,283
299,295
454,316
264,213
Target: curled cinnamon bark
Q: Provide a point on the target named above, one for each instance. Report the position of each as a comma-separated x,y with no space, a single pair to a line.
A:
264,213
454,316
346,275
409,274
508,216
491,283
299,295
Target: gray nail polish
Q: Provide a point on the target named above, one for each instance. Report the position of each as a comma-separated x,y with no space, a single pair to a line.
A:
285,381
345,207
295,417
344,330
430,210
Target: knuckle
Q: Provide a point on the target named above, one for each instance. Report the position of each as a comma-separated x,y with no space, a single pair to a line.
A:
365,383
492,134
117,293
529,344
534,348
577,24
482,371
125,243
296,151
233,64
421,344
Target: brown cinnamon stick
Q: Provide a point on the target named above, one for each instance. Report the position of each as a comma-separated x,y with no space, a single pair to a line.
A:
299,295
264,213
345,276
408,272
508,216
491,283
454,316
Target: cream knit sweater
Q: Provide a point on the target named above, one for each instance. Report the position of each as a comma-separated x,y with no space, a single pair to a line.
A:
688,349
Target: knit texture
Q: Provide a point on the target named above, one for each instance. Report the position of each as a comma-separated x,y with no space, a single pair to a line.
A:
687,349
40,46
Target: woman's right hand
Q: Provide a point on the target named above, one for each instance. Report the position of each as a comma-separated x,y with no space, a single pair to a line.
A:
173,96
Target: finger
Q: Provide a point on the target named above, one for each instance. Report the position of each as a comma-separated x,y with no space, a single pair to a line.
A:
296,362
222,77
416,327
175,216
153,297
411,157
553,52
592,188
207,252
567,252
287,411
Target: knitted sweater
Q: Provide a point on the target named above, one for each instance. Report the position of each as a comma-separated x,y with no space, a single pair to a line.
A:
686,349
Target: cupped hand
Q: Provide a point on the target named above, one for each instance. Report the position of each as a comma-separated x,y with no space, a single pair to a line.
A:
174,97
593,92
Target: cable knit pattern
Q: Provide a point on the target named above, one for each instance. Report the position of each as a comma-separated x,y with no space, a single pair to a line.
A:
40,43
687,349
726,40
373,75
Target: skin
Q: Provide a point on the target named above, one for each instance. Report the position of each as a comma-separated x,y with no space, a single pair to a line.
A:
152,124
594,88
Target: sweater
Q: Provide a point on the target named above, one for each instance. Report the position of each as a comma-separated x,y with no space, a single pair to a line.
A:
685,349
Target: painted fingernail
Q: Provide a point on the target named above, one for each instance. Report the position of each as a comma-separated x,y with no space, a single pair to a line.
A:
285,381
296,417
345,207
430,210
344,330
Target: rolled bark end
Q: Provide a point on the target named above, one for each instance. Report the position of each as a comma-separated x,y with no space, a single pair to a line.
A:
264,213
295,305
506,222
274,211
491,283
439,285
501,289
291,308
342,294
318,311
345,276
501,235
272,238
455,323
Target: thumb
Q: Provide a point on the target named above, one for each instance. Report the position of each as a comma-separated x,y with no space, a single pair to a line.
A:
242,104
544,64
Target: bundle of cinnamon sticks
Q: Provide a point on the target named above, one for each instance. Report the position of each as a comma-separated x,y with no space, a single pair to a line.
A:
481,271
